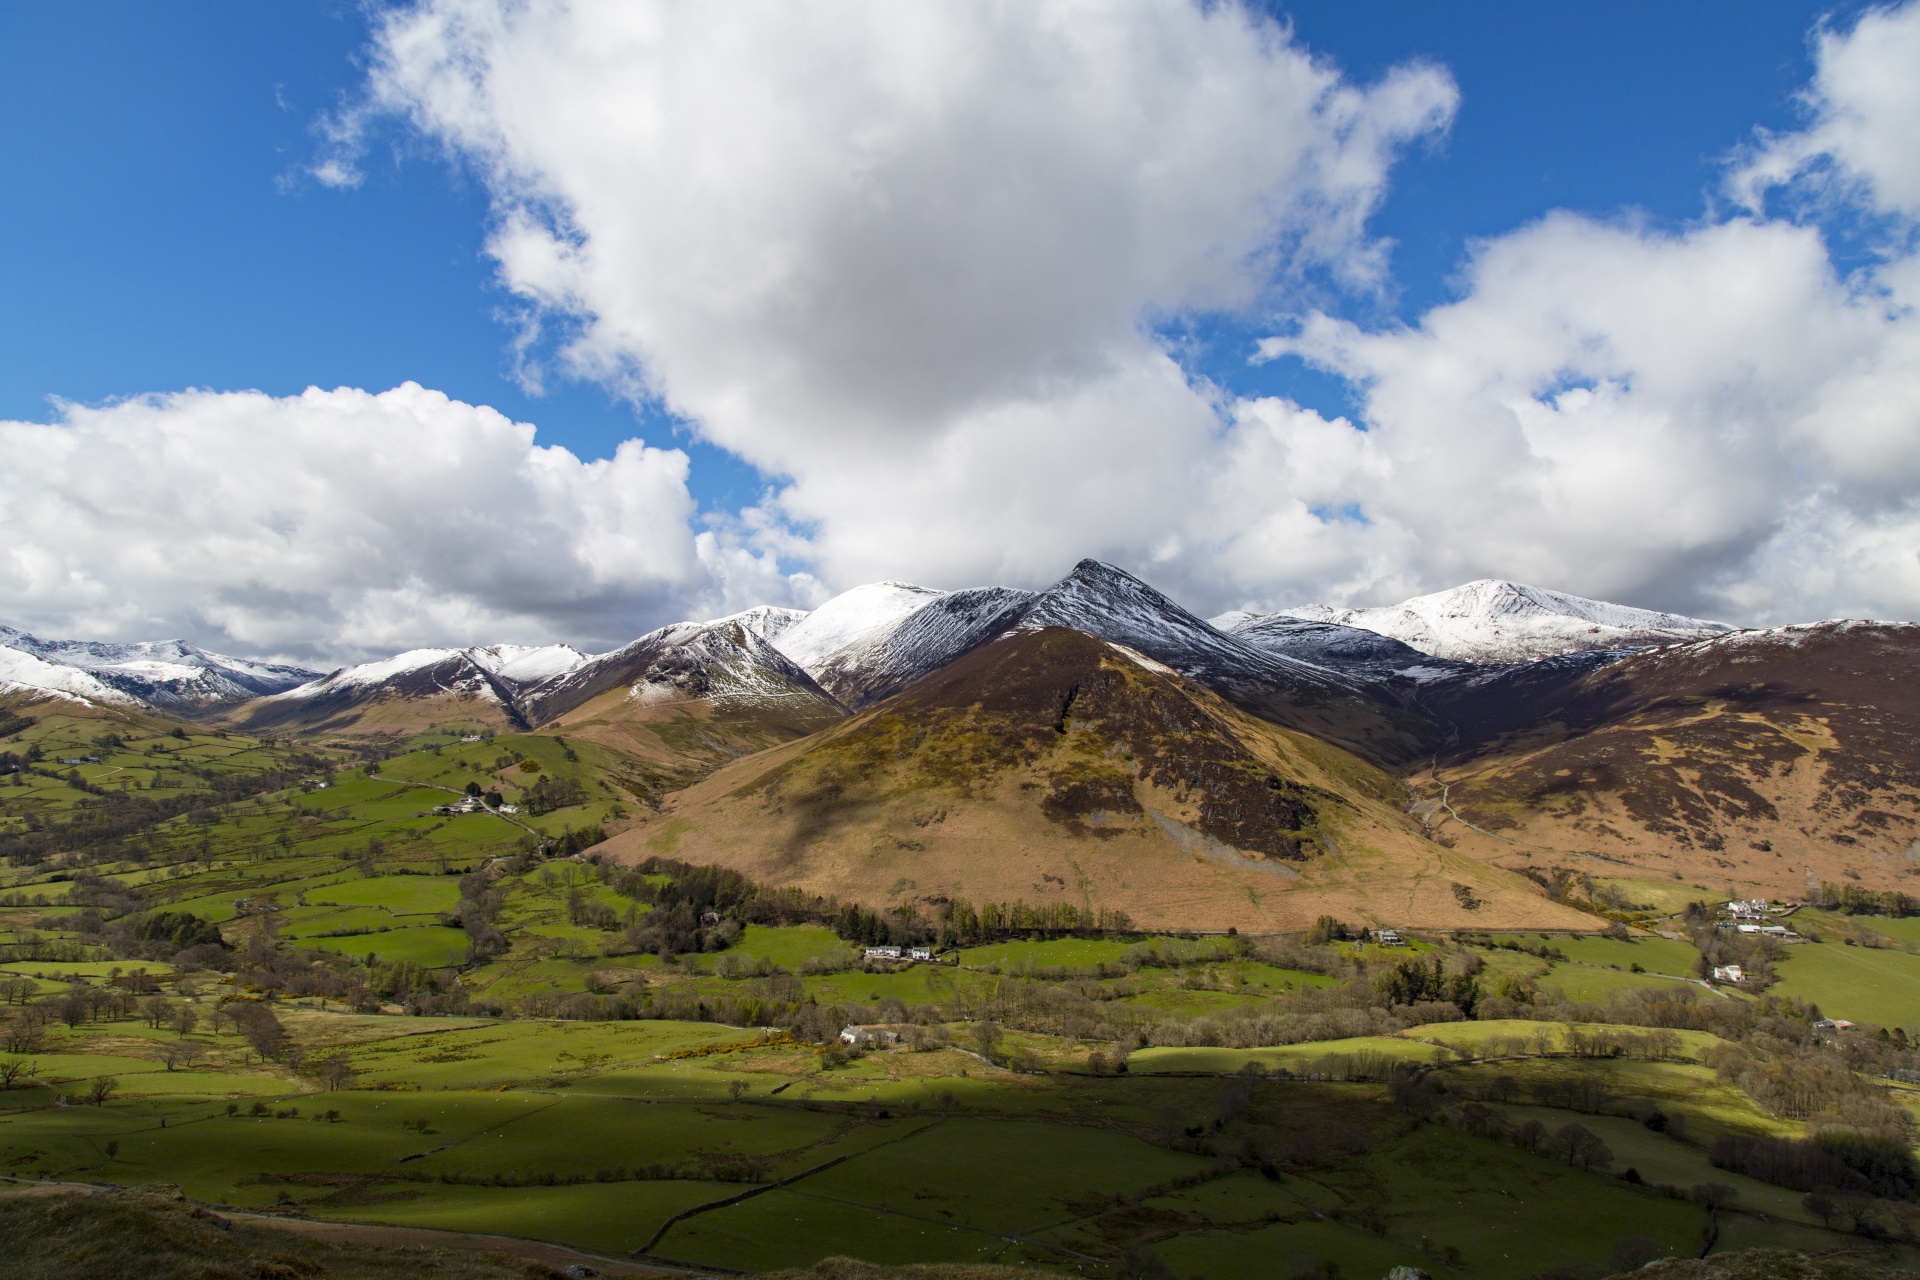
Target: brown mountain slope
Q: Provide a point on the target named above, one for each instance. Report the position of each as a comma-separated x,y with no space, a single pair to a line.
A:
1052,766
450,691
682,701
1758,762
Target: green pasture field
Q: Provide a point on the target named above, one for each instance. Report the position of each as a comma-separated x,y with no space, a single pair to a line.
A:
1047,953
1663,1162
67,970
789,947
1651,952
614,1218
1294,1057
896,1157
1589,982
1708,1107
435,946
1477,1037
1864,984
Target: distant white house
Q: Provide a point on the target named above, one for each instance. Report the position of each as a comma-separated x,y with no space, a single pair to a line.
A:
471,737
1748,909
1729,973
508,808
470,804
861,1037
883,953
1388,938
920,953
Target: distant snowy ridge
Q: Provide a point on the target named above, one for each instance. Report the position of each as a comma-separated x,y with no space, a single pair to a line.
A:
24,673
491,672
1491,621
168,675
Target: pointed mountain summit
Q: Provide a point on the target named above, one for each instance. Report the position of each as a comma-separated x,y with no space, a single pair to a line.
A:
682,701
1491,621
1110,603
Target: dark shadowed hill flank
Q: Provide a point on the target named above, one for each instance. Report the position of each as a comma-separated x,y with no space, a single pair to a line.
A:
1763,759
1050,766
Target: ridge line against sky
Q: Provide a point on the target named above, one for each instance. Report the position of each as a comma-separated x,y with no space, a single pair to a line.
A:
961,293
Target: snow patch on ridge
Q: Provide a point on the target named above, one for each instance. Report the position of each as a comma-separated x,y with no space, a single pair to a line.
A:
1491,621
853,620
26,672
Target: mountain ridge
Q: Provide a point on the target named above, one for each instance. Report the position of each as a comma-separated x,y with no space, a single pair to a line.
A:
1491,620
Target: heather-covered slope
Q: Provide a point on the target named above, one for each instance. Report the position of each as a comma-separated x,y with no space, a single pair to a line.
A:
1052,766
1762,760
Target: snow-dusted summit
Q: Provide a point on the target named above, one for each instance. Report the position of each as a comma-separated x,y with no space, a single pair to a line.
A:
168,675
728,663
873,641
1491,621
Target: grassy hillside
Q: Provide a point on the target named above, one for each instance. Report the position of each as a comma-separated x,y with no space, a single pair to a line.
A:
1053,768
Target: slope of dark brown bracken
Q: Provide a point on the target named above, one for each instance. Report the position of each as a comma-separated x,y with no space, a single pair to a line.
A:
1762,759
1052,765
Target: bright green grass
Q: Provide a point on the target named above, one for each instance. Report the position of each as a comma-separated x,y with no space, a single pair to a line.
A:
65,970
1295,1057
1047,953
1708,1107
1865,984
402,895
916,984
520,1052
1476,1036
1588,982
431,945
1652,953
788,947
308,922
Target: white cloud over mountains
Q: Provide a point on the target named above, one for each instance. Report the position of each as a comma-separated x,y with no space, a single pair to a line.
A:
339,523
910,259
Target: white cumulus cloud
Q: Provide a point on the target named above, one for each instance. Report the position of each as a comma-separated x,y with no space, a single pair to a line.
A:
909,256
1716,418
336,524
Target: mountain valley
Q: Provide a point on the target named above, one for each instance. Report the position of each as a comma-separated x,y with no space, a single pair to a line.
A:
901,746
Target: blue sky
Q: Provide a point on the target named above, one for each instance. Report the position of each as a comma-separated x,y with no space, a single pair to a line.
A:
162,234
1616,299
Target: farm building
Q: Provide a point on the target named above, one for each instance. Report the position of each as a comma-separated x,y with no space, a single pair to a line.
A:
1729,973
883,953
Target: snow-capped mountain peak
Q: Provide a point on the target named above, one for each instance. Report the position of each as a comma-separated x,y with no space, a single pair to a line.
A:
852,620
526,664
168,674
1493,621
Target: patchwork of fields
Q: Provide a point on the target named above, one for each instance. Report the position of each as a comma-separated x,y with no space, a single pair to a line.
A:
479,1033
